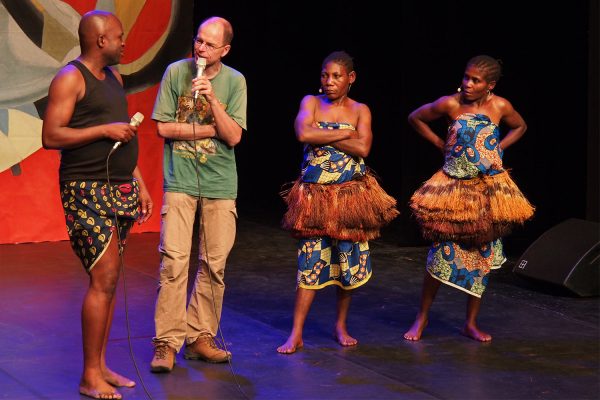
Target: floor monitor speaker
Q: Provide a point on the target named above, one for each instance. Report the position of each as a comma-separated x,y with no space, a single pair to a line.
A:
567,255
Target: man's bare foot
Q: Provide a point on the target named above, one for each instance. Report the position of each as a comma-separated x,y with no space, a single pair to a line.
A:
473,332
343,338
291,345
99,390
416,330
116,379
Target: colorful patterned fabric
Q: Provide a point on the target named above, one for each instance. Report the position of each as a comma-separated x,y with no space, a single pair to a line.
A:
465,268
472,153
326,164
472,147
90,216
325,261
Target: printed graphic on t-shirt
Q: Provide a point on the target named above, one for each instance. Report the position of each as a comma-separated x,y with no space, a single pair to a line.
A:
201,115
185,111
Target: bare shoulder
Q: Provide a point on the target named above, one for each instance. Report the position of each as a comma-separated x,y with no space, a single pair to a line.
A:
309,99
67,73
358,106
449,100
446,104
309,102
502,105
68,78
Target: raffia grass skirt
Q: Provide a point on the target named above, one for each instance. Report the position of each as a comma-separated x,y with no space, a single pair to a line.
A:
353,210
470,211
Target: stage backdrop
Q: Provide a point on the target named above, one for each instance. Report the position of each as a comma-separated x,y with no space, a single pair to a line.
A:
37,38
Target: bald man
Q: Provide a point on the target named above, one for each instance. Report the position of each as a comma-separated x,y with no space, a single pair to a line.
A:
85,116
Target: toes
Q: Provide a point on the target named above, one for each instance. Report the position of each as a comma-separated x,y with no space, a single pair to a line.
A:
286,350
411,337
346,342
95,394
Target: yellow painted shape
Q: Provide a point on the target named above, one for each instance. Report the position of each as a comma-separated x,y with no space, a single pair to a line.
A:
24,137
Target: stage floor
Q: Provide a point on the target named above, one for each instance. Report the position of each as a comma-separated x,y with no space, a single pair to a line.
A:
545,345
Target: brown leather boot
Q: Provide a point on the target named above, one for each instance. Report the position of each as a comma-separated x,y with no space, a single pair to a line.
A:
164,358
205,348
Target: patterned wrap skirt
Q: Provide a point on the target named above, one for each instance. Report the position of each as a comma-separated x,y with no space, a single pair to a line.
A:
92,213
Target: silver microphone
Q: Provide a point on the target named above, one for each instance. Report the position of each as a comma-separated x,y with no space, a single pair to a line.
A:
200,65
136,120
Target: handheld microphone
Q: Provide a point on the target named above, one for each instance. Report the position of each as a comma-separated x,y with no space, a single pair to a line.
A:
136,120
200,65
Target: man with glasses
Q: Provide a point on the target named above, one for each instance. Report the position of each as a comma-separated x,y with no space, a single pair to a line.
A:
200,111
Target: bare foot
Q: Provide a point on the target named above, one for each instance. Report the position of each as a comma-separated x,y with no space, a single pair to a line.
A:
117,380
474,333
343,338
99,390
291,345
416,330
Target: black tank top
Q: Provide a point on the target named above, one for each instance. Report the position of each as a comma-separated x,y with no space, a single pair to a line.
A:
104,102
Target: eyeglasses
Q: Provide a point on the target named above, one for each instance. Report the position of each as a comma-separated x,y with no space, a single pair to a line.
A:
199,42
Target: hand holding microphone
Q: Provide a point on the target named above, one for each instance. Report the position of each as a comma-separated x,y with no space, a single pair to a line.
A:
136,120
200,66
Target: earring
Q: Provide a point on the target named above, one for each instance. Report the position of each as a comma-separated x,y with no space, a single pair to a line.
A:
488,92
459,89
320,90
349,87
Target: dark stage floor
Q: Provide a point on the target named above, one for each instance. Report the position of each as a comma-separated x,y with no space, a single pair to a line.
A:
545,346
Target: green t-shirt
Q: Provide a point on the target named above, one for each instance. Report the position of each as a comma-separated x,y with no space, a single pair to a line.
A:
215,160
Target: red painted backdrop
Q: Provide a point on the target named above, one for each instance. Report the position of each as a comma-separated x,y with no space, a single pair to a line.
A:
30,209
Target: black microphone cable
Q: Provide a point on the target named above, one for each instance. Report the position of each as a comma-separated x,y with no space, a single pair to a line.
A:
122,271
203,239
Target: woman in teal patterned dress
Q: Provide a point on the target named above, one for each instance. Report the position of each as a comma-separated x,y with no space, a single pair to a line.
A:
336,205
468,205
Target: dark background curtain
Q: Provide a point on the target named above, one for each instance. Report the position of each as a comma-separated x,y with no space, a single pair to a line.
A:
408,54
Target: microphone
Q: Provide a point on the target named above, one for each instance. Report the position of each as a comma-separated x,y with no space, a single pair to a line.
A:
136,120
200,65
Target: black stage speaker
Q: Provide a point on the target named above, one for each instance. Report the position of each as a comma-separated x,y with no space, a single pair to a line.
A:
567,255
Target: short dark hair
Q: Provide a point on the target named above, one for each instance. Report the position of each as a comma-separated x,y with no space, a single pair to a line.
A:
491,67
340,57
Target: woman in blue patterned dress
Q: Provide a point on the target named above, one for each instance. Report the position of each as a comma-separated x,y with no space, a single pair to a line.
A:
336,205
468,205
